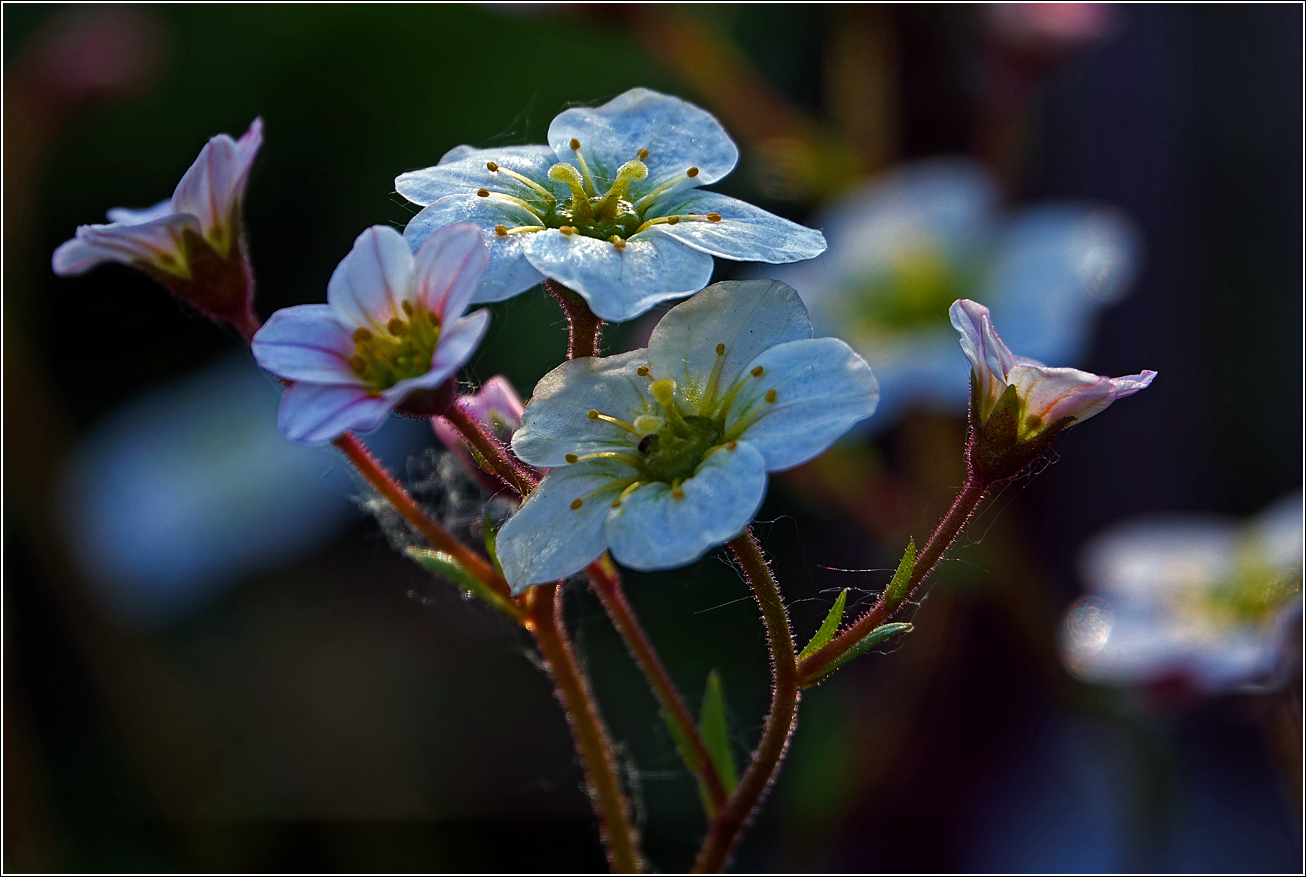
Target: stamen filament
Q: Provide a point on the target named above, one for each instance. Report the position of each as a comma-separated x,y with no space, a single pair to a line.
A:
628,427
673,220
503,231
608,455
640,204
635,485
584,168
713,379
525,205
545,193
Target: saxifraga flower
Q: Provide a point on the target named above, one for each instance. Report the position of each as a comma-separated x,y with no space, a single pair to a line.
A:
391,335
610,208
662,453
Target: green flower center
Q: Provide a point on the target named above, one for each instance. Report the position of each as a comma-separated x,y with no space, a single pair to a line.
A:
402,351
910,293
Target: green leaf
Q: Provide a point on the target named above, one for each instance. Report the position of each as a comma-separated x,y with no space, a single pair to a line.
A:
446,567
690,758
871,640
826,631
897,590
716,734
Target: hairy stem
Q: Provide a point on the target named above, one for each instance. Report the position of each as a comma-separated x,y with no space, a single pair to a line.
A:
582,325
593,743
506,467
730,821
607,584
390,489
967,500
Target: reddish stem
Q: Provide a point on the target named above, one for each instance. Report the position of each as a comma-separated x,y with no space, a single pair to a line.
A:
582,325
731,820
545,620
503,464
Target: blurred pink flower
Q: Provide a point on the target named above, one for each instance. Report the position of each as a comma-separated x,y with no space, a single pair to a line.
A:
495,405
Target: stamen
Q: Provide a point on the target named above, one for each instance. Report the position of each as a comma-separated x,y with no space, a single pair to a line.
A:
584,169
567,230
486,193
757,372
672,220
357,363
643,202
571,458
609,455
501,230
580,202
643,154
628,427
692,172
714,217
521,229
676,492
577,503
545,193
483,193
642,371
713,381
731,445
617,242
634,485
720,348
397,327
770,396
408,307
362,335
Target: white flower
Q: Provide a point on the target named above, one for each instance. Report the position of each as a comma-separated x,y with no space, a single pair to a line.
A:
610,208
662,453
1190,596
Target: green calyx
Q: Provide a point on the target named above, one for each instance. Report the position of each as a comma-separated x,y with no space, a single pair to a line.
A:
1003,442
908,294
402,351
676,449
595,215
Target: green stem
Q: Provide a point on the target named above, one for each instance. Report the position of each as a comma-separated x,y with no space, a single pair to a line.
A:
731,820
607,585
545,621
968,499
505,467
582,325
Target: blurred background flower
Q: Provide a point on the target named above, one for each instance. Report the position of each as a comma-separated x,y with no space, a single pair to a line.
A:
196,703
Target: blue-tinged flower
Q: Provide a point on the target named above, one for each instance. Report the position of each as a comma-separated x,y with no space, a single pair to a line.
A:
1193,596
391,334
610,208
906,246
662,453
192,243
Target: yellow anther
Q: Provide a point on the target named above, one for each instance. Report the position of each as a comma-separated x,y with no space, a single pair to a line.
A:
577,503
501,230
731,445
592,415
770,395
617,242
714,217
408,307
491,167
692,172
720,350
484,193
643,154
575,144
397,326
677,493
571,458
567,230
642,371
362,335
672,220
756,372
357,363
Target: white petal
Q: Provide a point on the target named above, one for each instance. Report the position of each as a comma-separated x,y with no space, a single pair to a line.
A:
547,539
556,422
128,216
677,135
990,359
368,287
312,414
654,530
821,389
463,170
157,243
1053,393
458,341
744,233
215,182
619,284
448,269
508,273
305,343
746,316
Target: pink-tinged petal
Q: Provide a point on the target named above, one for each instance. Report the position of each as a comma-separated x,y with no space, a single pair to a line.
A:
128,216
305,343
312,414
159,243
369,286
990,359
215,182
497,398
1053,393
448,269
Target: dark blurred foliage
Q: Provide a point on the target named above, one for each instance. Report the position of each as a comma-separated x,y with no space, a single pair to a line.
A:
347,712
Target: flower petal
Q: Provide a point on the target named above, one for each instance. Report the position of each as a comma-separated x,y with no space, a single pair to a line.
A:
448,269
547,539
745,233
128,216
1053,393
158,243
990,359
746,316
463,170
215,182
619,284
311,414
677,135
305,343
508,273
556,423
653,530
458,341
368,287
821,389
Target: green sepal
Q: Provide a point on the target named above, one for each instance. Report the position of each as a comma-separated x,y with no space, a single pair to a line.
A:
491,540
691,760
897,590
826,631
444,565
998,450
716,734
876,637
